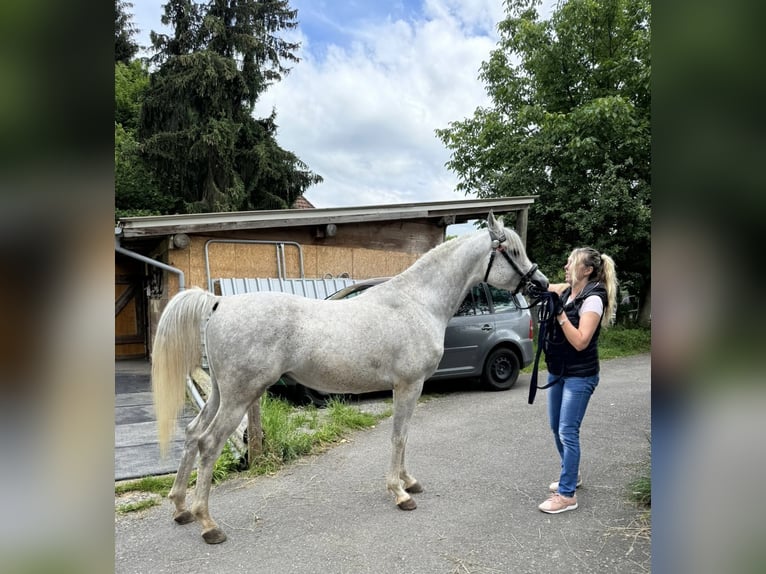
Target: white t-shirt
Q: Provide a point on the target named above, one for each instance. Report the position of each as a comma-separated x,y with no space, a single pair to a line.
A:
592,303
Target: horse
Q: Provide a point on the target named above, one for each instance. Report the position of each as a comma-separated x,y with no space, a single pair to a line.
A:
389,338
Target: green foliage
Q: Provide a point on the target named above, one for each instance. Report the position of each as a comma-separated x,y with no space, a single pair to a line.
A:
135,189
291,432
130,83
196,128
227,463
641,491
136,506
569,122
124,46
618,341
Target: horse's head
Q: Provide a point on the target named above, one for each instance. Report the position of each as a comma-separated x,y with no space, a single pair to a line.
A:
519,272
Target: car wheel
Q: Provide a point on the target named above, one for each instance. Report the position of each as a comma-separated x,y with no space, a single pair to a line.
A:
501,370
314,397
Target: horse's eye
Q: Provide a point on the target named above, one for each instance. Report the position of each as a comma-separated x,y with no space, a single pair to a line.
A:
515,252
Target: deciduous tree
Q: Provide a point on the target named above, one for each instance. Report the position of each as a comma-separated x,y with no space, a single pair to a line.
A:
569,122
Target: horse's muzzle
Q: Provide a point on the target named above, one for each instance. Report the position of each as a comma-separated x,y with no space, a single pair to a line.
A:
535,288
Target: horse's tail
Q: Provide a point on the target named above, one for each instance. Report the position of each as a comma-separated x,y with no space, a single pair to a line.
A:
177,350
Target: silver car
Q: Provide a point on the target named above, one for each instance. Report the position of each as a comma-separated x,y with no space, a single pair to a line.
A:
490,337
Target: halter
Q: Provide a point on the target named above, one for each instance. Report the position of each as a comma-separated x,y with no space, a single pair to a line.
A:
525,278
545,313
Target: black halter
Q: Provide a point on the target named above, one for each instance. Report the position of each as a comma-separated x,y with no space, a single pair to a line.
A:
525,278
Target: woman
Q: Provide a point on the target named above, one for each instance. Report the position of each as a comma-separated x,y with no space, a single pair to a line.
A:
582,305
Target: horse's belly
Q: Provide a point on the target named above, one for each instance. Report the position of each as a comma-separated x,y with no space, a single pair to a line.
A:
361,372
342,381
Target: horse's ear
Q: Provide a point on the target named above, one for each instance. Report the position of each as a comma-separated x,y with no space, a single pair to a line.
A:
491,221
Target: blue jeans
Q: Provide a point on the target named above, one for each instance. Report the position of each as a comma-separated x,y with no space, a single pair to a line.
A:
567,400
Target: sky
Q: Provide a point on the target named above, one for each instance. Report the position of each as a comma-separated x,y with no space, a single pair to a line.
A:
375,80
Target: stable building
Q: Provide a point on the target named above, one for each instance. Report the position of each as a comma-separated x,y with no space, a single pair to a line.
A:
156,256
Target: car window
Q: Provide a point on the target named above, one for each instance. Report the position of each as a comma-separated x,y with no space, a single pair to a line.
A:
502,299
355,293
475,303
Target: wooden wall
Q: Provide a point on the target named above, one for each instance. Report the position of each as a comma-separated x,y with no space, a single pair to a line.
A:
361,251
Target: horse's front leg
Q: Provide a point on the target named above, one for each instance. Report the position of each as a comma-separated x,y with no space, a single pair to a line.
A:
398,481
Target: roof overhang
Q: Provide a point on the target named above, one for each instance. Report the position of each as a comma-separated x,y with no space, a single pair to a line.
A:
443,212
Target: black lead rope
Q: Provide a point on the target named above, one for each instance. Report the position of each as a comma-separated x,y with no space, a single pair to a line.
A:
545,322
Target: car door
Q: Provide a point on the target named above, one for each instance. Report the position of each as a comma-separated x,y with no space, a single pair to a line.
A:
465,334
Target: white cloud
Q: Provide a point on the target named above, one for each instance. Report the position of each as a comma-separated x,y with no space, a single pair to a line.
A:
363,116
374,82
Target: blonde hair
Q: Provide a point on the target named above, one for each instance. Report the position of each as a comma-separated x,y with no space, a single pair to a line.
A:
603,271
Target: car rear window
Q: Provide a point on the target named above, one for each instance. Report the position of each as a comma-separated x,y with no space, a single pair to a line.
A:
475,303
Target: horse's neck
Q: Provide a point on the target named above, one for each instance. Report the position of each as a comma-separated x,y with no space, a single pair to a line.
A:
440,279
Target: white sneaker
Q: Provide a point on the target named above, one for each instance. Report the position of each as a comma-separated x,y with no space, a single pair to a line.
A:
554,486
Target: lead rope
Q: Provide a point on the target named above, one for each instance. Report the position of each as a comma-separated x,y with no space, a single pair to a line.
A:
545,321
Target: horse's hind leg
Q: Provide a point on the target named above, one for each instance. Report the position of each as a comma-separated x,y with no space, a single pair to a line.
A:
193,430
398,481
211,442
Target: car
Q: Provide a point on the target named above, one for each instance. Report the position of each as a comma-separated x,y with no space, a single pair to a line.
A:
489,338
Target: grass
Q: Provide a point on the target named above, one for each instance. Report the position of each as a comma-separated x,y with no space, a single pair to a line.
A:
641,491
619,341
136,506
291,432
157,484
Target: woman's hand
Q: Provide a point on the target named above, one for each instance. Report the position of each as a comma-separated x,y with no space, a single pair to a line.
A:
557,288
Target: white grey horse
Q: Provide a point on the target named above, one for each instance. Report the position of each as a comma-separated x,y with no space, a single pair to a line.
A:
391,337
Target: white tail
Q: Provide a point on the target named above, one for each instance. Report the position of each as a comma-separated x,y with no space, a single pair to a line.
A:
177,350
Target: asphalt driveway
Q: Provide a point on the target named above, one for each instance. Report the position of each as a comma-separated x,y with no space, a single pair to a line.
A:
485,461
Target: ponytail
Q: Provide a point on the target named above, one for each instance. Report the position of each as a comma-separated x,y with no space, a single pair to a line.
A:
608,276
604,272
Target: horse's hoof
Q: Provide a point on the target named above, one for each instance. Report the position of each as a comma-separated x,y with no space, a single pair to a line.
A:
184,517
408,504
414,488
214,536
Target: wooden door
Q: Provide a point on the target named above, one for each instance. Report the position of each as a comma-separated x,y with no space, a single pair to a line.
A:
130,319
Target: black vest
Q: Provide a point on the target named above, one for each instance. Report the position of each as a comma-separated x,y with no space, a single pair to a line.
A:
561,357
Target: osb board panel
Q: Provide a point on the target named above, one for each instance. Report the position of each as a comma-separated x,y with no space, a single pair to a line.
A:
241,260
412,236
251,260
408,237
334,261
362,251
372,263
181,259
